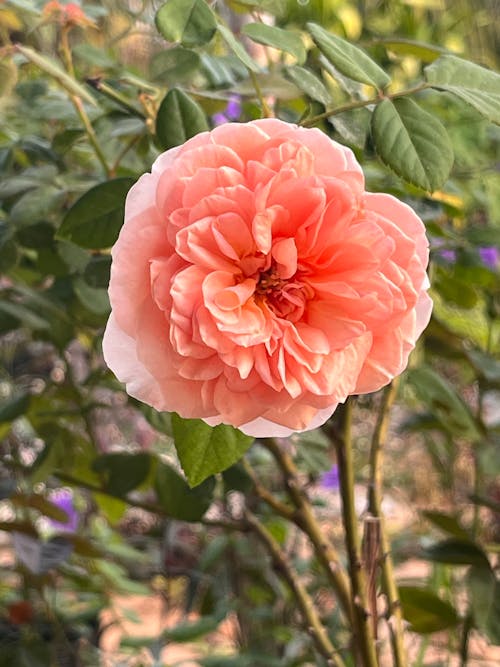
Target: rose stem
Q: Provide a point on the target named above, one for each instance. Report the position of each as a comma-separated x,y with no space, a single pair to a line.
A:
309,612
364,642
304,518
77,102
375,492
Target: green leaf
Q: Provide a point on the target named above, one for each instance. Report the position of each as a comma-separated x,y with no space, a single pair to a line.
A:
14,407
36,205
179,118
486,365
447,523
484,593
190,22
173,65
309,83
204,450
412,143
278,38
455,551
124,472
411,47
347,58
22,315
237,48
444,402
476,85
94,221
177,499
425,610
191,630
51,68
96,273
94,299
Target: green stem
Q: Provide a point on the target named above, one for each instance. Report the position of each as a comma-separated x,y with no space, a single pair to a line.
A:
375,507
305,519
364,643
359,104
117,97
304,601
78,104
266,111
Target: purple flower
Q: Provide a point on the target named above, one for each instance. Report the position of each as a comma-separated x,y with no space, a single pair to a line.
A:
63,499
330,479
448,255
490,256
231,112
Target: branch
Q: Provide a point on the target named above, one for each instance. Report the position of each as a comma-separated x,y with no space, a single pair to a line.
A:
305,519
304,601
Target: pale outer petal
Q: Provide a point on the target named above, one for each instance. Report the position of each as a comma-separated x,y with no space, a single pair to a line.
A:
120,354
263,428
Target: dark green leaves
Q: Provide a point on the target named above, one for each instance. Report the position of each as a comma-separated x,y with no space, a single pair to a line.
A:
425,611
277,38
473,84
412,142
455,551
179,118
177,499
94,220
190,22
123,472
205,450
348,59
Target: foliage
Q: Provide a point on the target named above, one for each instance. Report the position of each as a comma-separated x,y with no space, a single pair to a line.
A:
88,99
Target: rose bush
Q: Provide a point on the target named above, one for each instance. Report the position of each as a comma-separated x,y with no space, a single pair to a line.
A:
257,284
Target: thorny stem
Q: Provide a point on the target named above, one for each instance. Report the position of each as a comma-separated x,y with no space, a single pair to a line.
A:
280,508
375,507
307,608
364,644
305,519
77,102
359,104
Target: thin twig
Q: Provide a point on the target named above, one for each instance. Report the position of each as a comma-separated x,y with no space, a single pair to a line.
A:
266,111
307,608
375,493
359,104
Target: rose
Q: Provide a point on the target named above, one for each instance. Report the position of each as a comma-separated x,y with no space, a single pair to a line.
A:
257,284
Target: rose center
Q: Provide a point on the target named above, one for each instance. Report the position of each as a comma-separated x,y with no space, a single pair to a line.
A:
285,297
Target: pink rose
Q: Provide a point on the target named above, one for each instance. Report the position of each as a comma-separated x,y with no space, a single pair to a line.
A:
257,284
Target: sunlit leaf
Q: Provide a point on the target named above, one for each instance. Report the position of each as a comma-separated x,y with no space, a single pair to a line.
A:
278,38
347,58
476,85
190,22
205,450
